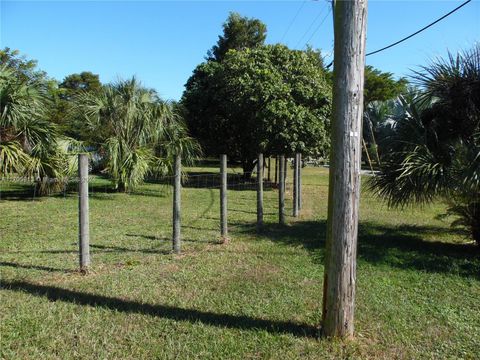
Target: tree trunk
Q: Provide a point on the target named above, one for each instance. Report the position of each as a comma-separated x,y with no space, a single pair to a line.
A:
345,158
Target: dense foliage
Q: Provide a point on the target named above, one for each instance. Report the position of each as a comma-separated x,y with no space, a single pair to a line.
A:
239,33
269,99
380,91
136,127
435,146
381,86
30,144
127,128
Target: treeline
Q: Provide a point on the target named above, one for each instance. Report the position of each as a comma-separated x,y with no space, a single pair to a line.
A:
249,97
44,124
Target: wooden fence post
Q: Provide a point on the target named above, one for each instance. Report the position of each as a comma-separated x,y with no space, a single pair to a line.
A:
83,215
350,18
295,186
223,197
260,192
281,190
300,181
177,186
276,170
269,178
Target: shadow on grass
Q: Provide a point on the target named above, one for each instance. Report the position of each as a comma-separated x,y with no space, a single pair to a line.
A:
112,249
401,247
162,311
34,267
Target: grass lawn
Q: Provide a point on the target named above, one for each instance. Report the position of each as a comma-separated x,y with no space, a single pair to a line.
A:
258,296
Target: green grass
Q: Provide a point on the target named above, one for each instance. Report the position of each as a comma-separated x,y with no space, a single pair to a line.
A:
258,296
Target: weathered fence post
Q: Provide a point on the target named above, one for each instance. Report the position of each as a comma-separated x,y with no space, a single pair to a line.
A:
269,178
295,185
344,178
177,186
83,216
260,192
299,181
223,197
276,170
281,190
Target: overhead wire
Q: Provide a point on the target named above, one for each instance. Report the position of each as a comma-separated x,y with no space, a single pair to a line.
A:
310,27
319,26
293,20
415,33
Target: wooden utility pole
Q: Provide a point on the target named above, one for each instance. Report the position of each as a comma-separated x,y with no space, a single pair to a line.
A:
83,216
223,198
260,192
281,189
350,18
177,186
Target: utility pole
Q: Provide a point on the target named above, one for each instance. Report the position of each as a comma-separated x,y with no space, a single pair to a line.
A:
350,19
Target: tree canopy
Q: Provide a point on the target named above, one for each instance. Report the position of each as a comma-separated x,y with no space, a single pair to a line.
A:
269,99
30,144
139,132
74,84
381,86
239,32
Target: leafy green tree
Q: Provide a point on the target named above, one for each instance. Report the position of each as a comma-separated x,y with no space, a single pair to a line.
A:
239,33
435,147
63,96
380,90
29,143
74,84
381,86
268,99
24,68
140,131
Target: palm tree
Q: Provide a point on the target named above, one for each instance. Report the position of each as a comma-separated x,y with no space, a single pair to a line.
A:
139,131
435,146
29,144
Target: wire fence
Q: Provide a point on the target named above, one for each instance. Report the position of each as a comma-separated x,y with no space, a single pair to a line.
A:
45,213
48,209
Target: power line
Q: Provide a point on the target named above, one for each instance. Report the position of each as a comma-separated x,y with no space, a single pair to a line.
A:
309,28
319,26
293,20
415,33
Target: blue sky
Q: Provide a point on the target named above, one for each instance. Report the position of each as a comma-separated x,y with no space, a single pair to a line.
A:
161,42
